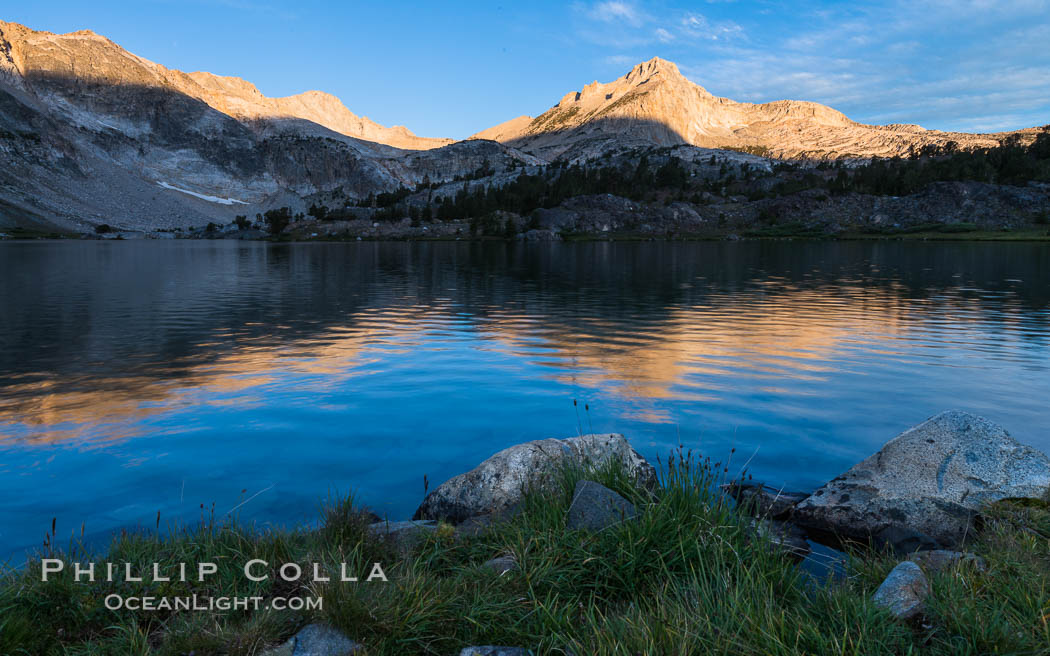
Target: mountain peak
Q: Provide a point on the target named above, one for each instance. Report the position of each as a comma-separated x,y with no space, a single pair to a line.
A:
25,52
654,103
654,66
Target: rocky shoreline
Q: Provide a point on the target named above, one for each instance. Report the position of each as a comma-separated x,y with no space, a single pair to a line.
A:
922,491
920,496
581,546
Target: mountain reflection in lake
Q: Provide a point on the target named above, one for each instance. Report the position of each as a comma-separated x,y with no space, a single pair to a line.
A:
139,377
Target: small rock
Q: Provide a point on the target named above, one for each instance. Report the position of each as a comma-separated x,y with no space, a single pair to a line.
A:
316,640
763,500
404,535
492,650
938,560
501,564
904,591
284,649
595,507
784,535
474,526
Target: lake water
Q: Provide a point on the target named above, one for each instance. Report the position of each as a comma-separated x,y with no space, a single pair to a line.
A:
138,377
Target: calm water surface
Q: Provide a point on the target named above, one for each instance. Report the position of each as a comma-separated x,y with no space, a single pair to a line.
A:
138,377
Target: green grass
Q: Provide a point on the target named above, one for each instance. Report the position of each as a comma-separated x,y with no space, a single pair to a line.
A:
952,232
686,578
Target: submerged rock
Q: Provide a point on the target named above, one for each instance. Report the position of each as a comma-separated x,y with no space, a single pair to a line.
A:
904,591
595,507
499,483
923,488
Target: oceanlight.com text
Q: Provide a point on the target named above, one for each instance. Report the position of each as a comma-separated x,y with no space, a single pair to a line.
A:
202,603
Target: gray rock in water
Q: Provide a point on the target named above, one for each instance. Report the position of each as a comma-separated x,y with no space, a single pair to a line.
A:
763,500
783,535
922,488
595,507
492,650
904,591
938,560
500,482
316,640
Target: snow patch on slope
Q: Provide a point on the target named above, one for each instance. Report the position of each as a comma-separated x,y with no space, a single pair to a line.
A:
213,199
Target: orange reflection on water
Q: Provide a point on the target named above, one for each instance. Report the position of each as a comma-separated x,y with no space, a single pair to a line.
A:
689,352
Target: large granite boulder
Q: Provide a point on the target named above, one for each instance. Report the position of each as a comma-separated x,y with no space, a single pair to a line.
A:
923,488
498,484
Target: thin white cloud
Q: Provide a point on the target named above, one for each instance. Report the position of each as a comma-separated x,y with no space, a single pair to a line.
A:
619,60
614,11
624,24
948,64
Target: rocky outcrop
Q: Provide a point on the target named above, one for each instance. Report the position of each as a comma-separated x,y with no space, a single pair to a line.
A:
922,489
904,591
655,104
499,483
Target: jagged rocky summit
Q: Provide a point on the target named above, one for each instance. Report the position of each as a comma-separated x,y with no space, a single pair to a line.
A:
655,104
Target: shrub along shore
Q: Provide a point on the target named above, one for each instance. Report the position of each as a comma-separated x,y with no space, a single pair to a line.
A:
592,556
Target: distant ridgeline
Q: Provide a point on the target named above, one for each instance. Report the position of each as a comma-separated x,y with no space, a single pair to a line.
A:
660,175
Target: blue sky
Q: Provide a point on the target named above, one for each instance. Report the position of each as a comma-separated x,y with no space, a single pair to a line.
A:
451,69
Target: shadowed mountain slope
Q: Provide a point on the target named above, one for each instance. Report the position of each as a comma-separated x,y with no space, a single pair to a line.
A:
95,134
88,58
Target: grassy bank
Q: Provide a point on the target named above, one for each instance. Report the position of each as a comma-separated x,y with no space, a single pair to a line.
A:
686,578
